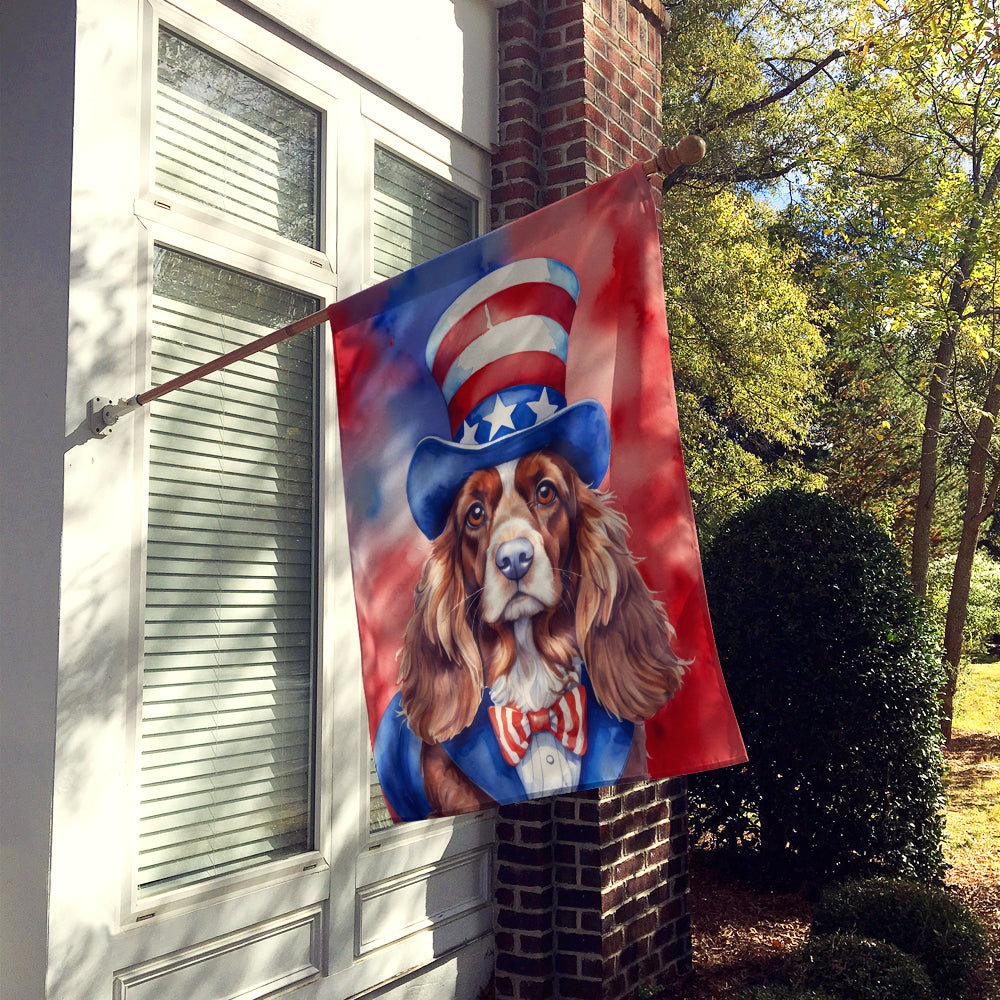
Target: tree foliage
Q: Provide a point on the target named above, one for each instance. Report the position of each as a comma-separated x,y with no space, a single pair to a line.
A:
747,352
747,356
874,127
911,192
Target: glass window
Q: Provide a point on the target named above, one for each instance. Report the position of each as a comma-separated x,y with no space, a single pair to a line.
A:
228,140
228,680
416,215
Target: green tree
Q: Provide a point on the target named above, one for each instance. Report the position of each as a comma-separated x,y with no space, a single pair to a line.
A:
878,121
747,352
747,357
912,191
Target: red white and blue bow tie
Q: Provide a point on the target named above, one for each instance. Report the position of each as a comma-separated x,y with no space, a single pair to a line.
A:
566,720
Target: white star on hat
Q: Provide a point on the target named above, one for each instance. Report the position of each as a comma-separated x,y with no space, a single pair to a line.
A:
468,432
502,416
544,408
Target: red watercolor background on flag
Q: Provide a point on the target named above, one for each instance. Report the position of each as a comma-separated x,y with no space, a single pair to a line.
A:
619,355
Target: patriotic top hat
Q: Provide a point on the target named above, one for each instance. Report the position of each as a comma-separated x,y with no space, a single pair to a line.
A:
498,355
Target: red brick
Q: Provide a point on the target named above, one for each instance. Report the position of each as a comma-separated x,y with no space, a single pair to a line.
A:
535,899
518,49
566,964
521,130
518,876
575,988
563,54
552,78
520,92
613,896
572,177
552,117
570,132
519,10
571,14
642,882
531,944
599,97
523,920
520,111
576,941
536,966
619,135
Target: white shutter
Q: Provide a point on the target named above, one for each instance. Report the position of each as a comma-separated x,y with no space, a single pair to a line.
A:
415,216
228,659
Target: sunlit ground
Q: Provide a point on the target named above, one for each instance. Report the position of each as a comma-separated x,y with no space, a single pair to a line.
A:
973,813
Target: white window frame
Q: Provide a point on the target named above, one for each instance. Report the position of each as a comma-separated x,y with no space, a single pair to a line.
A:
180,224
351,876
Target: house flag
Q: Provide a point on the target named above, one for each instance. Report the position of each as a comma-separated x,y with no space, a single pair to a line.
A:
527,579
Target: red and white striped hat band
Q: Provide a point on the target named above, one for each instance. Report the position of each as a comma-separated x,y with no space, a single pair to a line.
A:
511,328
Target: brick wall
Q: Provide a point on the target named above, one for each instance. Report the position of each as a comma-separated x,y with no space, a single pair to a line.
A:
579,96
591,888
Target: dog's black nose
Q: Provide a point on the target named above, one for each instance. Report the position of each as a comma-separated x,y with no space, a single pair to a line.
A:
513,558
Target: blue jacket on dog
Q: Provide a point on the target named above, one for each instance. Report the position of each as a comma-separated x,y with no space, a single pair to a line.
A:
476,751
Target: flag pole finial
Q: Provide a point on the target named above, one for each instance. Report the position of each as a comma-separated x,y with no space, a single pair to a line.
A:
688,151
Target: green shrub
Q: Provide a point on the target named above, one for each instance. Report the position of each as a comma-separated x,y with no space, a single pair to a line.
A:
833,673
856,968
926,922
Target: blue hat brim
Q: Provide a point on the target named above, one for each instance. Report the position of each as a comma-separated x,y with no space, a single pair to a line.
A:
580,434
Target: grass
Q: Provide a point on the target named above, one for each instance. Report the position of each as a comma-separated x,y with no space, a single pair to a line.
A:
973,782
972,848
978,699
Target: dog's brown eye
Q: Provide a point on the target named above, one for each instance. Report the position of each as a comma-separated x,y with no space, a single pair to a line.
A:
476,515
545,493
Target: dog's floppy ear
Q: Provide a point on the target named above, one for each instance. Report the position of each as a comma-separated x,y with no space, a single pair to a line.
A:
440,668
622,631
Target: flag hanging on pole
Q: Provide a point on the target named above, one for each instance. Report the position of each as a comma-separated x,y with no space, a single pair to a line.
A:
526,571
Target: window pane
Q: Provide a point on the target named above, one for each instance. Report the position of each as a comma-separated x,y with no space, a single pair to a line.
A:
228,657
416,217
228,140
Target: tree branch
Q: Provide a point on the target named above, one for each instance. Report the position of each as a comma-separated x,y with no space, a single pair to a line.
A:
754,106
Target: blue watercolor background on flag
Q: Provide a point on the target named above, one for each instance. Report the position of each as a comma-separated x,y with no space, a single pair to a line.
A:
619,355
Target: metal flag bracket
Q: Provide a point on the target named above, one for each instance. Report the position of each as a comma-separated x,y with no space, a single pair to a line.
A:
103,413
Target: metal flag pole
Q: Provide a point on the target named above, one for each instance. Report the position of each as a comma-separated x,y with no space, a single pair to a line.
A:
103,413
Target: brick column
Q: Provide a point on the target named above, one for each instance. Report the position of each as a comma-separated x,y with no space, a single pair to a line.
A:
579,96
591,888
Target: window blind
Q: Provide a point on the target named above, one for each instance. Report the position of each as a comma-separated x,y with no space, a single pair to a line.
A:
415,216
228,653
228,140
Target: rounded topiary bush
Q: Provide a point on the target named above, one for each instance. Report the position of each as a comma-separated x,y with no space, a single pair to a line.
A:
856,968
833,673
924,921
